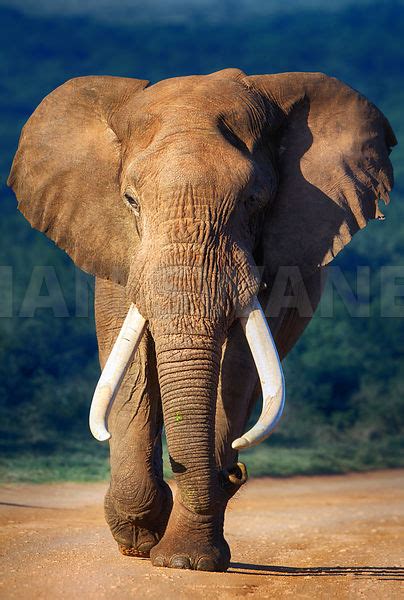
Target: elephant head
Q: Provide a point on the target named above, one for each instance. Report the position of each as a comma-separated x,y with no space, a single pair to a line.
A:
177,191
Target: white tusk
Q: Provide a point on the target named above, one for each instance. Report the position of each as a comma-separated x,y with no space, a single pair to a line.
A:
270,372
113,372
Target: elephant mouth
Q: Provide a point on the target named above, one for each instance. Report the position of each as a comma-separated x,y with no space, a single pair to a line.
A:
262,348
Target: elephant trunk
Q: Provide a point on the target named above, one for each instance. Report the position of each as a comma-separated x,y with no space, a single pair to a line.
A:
188,366
191,308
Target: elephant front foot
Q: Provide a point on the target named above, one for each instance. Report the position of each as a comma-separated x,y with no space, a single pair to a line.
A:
192,541
137,533
142,542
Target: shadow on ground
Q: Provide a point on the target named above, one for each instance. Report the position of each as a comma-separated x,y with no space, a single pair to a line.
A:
382,573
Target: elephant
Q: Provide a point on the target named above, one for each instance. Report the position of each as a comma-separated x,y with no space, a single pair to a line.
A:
185,198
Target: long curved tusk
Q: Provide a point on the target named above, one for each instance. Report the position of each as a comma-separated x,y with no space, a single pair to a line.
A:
270,372
112,374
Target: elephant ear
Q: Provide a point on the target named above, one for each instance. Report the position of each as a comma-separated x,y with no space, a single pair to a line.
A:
332,146
65,173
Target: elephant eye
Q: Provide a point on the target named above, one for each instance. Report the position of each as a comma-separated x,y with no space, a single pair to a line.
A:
133,203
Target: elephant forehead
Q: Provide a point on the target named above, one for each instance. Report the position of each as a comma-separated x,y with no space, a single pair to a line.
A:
196,166
197,130
196,101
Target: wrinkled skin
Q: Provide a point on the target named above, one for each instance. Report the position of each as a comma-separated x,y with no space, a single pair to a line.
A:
171,195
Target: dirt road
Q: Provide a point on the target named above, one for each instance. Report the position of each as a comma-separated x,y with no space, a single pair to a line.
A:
306,537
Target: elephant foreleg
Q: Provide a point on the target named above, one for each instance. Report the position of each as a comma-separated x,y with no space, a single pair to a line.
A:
237,392
138,502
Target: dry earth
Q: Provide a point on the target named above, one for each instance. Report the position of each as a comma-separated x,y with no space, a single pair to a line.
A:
305,537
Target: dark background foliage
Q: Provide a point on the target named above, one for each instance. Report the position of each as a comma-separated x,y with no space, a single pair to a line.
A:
345,377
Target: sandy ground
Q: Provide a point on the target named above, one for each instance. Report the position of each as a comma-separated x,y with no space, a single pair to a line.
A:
305,537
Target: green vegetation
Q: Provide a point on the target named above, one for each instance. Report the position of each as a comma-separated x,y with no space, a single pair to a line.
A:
345,378
80,463
89,462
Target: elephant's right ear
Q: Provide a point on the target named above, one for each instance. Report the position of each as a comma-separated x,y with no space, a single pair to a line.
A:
65,174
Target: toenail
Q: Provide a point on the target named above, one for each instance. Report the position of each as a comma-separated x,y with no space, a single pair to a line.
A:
180,562
205,564
158,561
146,547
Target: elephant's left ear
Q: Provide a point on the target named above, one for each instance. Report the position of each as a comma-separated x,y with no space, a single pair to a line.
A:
332,147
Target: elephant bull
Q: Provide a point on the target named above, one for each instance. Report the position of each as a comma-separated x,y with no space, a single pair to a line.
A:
173,195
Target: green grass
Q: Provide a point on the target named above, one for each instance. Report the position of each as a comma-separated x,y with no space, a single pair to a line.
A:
40,467
279,461
91,463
